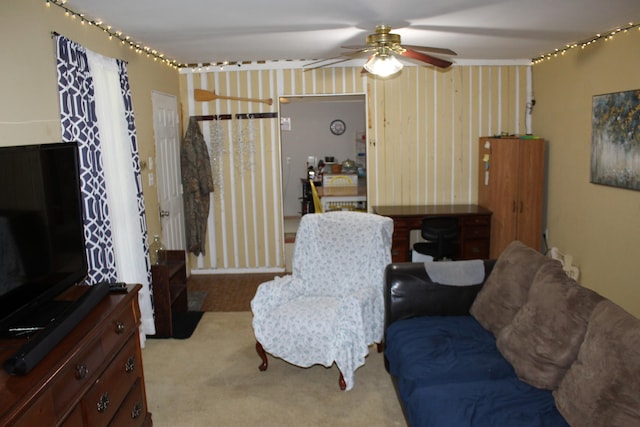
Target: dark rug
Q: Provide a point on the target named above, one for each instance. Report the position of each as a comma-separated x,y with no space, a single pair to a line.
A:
183,324
196,300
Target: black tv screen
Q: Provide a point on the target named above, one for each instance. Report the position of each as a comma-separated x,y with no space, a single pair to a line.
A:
41,229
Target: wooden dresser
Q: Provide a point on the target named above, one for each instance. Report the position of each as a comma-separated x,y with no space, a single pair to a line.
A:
93,377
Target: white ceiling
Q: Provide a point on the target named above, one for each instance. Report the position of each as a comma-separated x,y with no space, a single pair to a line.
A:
205,31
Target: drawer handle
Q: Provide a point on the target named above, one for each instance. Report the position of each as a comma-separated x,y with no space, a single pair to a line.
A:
103,403
136,411
130,366
81,371
119,326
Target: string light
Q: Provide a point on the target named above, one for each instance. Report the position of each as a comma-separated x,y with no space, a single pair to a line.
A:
584,44
107,29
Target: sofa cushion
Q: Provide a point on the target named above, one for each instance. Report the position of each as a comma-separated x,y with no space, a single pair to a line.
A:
545,335
442,349
602,386
506,288
500,402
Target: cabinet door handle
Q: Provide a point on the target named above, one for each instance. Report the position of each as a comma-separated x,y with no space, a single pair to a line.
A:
103,403
513,207
119,327
130,366
81,371
136,411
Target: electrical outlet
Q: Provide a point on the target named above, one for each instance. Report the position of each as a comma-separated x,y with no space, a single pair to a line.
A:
288,160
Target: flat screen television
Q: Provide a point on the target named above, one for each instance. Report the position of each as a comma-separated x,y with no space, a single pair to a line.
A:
42,249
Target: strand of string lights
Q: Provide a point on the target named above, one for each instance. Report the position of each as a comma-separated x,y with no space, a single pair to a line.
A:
112,34
583,44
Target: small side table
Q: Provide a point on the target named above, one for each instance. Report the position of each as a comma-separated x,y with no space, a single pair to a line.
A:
169,289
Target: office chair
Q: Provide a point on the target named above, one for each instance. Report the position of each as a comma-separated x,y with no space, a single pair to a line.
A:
442,235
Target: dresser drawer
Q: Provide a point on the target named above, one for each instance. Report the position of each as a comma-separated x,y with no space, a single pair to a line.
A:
477,232
77,375
42,409
472,220
475,249
103,399
133,410
120,326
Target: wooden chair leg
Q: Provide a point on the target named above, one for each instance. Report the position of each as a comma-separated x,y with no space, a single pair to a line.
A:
265,364
263,356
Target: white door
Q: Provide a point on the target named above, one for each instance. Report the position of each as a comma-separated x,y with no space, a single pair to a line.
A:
166,127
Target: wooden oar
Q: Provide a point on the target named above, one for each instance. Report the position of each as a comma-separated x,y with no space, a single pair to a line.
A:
208,95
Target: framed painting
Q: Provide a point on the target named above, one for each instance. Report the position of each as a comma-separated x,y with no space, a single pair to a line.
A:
615,139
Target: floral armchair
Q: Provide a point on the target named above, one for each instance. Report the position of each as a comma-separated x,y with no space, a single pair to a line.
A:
331,308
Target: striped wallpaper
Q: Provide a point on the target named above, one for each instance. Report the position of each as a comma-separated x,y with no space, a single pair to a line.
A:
421,130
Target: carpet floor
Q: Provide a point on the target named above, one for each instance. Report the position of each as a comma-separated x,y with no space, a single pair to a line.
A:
212,379
225,292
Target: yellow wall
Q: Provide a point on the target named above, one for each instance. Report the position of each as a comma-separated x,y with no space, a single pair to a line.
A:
422,128
598,225
29,109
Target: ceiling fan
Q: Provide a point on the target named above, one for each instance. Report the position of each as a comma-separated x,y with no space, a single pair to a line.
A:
384,46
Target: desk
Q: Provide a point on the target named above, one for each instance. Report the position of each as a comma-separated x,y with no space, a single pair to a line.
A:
339,198
475,228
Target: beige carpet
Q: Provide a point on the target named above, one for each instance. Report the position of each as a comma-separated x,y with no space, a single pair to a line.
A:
212,379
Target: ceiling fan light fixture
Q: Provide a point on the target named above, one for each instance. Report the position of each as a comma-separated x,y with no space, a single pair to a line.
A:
384,65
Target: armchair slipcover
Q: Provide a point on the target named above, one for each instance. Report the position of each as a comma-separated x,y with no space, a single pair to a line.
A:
331,308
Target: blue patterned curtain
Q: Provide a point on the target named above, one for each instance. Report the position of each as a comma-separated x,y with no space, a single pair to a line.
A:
135,158
79,123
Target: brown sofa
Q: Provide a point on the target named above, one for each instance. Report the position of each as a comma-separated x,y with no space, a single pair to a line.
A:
560,338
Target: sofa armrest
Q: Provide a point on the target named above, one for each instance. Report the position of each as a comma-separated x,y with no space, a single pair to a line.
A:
409,292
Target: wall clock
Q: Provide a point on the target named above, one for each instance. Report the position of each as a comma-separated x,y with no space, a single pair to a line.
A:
337,127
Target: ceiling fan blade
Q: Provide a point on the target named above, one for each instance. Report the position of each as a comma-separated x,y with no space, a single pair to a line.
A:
438,50
341,59
426,58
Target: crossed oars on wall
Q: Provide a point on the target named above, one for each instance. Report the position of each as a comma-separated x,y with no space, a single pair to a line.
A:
208,95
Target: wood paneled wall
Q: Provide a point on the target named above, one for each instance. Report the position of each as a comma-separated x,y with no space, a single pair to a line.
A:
421,130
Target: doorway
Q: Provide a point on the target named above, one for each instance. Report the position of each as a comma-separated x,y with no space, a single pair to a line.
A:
307,138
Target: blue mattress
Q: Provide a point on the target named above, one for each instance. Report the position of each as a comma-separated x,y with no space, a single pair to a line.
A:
450,373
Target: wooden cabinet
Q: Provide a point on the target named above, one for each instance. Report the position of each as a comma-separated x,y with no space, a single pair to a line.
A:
93,377
169,289
511,185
